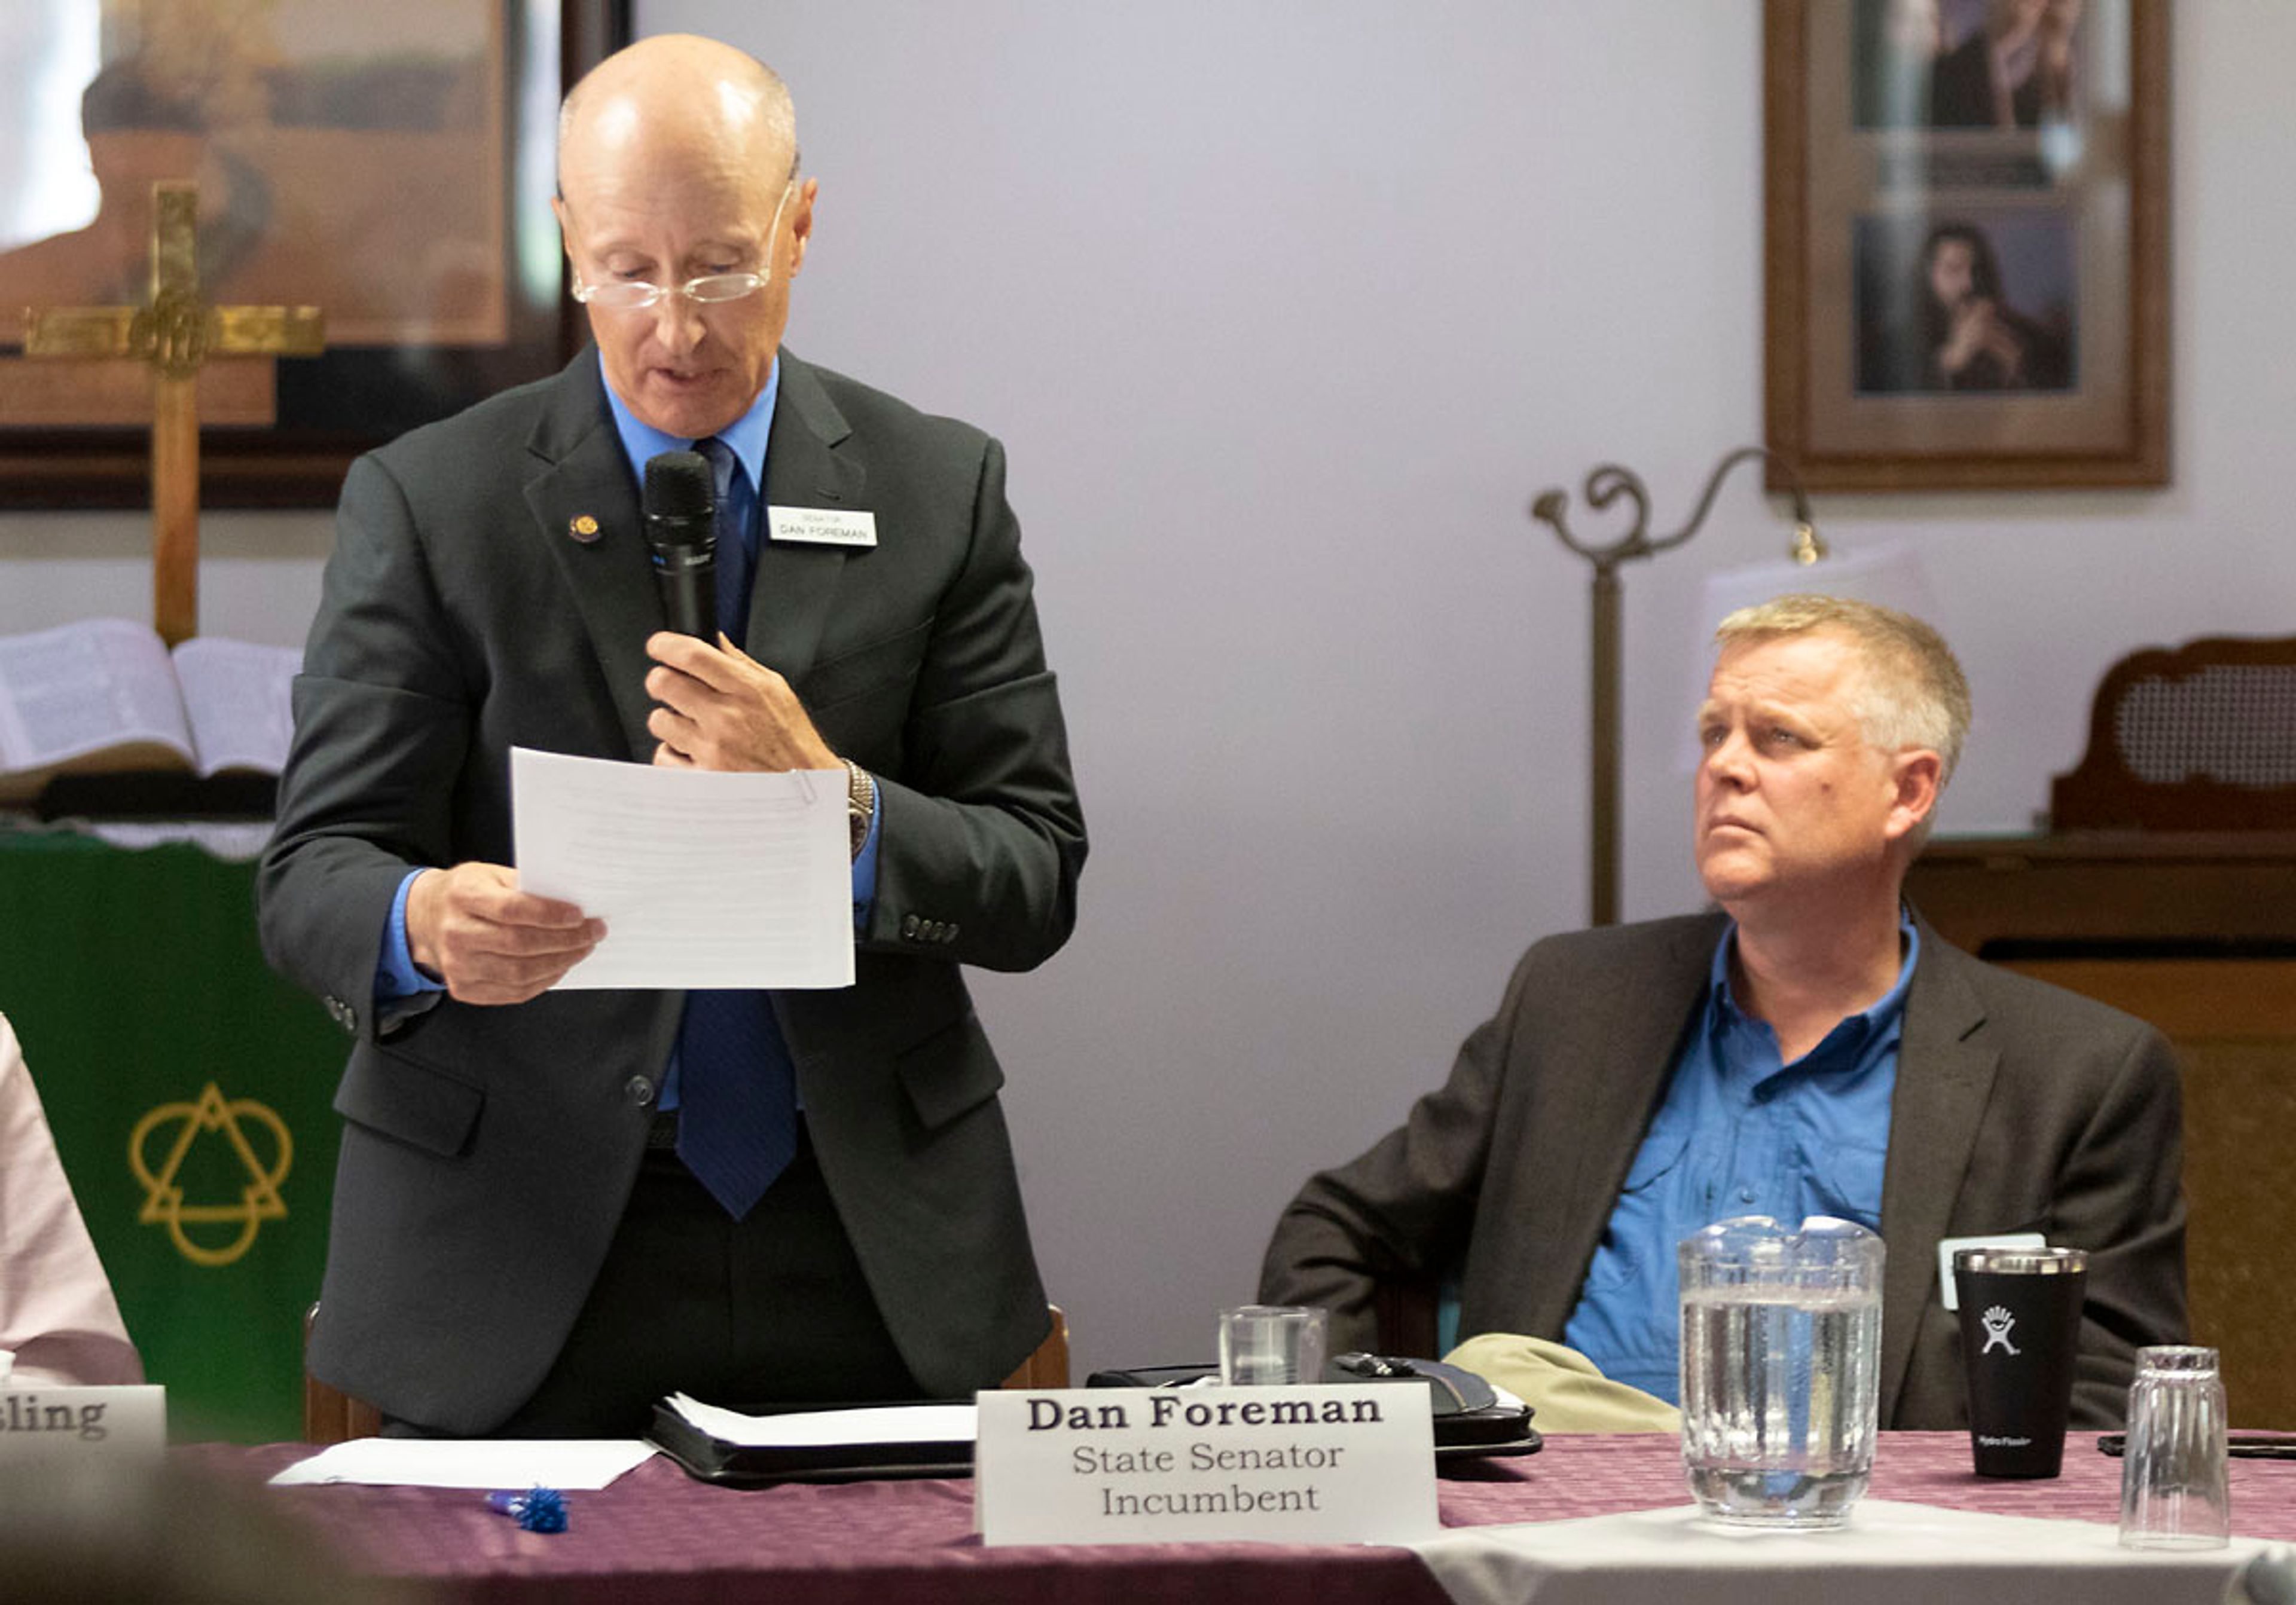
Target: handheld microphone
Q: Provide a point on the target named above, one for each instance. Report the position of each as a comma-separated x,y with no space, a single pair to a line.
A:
681,524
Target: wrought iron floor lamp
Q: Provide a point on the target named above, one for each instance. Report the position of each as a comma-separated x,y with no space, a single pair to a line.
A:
1604,486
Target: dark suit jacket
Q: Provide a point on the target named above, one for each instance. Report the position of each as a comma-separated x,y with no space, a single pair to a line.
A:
488,1152
2018,1107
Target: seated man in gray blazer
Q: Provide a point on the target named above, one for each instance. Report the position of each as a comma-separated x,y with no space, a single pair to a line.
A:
554,1206
1810,1048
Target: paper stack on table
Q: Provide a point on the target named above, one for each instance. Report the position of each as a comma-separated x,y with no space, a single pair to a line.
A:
462,1462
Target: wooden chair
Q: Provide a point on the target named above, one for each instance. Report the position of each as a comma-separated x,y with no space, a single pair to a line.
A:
2156,894
2199,738
332,1416
1048,1365
1407,1311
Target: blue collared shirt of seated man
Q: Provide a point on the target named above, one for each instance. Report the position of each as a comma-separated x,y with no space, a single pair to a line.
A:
1739,1133
395,975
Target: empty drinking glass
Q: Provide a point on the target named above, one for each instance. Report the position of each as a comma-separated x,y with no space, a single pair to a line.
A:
2174,1491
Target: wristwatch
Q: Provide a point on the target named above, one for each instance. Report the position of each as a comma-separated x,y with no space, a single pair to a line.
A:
860,802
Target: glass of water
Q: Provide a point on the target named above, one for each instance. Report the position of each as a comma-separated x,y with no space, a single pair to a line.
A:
1781,1368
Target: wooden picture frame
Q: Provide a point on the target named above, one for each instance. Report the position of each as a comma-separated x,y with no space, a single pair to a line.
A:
404,189
1965,245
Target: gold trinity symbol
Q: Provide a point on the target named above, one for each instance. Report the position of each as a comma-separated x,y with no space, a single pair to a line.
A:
258,1198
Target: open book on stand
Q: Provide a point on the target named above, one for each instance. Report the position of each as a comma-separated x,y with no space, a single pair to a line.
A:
100,718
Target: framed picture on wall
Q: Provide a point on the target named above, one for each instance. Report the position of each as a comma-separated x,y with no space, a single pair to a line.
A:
1965,249
390,165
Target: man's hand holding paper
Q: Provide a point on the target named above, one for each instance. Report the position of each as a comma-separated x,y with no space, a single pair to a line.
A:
473,927
703,878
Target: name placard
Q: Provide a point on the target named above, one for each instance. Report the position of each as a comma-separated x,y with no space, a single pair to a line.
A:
118,1421
821,526
1351,1464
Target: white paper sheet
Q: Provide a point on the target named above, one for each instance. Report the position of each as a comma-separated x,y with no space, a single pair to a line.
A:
703,878
453,1463
1891,1551
817,1429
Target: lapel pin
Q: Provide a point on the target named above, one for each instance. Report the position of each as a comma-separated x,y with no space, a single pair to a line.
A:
583,527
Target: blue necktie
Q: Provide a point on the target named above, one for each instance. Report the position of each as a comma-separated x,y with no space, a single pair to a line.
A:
736,1086
736,562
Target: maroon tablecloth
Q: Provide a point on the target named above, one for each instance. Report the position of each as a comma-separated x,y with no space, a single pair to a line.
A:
657,1535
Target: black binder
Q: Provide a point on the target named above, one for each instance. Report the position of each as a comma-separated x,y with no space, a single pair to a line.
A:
712,1459
1470,1418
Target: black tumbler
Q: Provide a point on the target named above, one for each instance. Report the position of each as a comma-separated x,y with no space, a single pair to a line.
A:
2021,1311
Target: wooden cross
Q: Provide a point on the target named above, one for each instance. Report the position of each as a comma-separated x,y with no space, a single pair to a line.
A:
177,335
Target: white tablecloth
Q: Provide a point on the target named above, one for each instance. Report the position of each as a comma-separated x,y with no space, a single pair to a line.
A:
1889,1552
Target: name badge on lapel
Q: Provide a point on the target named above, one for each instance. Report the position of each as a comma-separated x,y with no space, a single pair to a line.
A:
821,527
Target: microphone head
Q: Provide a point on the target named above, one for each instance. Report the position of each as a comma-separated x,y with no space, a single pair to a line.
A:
678,486
681,529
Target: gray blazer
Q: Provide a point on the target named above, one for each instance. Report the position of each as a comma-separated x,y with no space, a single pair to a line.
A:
488,1152
2018,1107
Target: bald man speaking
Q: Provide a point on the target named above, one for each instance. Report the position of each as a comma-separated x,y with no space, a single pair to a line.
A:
554,1207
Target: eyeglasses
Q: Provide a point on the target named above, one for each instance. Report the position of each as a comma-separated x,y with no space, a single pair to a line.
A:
637,295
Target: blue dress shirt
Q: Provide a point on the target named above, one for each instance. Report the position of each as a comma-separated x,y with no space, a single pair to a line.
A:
395,974
1739,1133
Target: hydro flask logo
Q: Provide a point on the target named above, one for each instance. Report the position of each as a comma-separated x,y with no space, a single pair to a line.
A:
1998,1322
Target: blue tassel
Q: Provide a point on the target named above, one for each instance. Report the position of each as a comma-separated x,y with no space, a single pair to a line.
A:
538,1509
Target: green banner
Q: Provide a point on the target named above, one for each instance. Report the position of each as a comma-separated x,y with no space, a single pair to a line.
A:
188,1087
